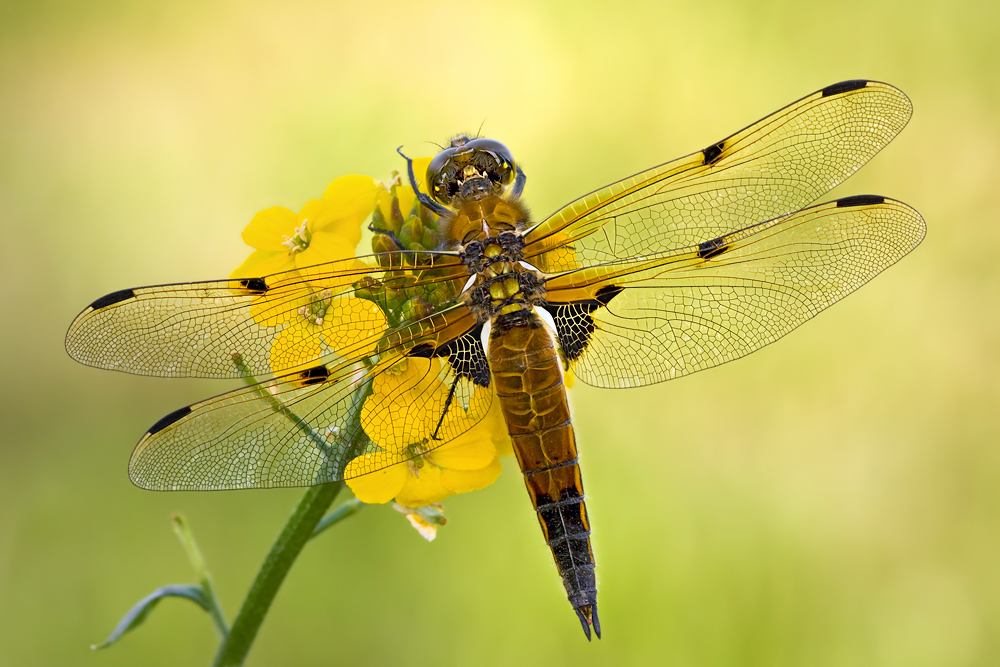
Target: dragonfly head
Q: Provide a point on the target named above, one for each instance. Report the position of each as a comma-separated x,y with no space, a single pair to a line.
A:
470,169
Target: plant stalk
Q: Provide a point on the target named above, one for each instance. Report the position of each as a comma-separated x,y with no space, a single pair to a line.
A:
293,537
300,529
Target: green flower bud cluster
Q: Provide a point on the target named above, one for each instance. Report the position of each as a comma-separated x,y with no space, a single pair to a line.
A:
418,230
410,289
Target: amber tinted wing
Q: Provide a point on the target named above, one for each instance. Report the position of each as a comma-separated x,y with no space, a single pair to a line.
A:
648,319
305,427
775,166
369,358
275,323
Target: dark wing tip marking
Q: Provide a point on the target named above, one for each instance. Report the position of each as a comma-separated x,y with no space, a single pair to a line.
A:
844,87
713,152
113,298
254,285
859,200
712,248
169,419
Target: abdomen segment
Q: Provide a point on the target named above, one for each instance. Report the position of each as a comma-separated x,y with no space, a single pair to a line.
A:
529,383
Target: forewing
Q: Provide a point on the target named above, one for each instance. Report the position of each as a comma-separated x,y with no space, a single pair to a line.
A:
273,323
648,319
773,167
305,427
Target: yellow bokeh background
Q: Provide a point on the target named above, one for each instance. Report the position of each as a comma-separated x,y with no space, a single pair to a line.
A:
832,500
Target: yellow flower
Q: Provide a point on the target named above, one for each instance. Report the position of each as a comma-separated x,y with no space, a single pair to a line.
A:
395,417
323,311
347,325
324,229
404,192
424,519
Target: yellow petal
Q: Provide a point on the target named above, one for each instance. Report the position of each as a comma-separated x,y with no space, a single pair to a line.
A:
269,228
405,404
325,247
276,306
352,192
420,165
461,481
353,326
263,263
403,190
491,428
348,201
423,489
427,530
298,344
337,277
383,201
470,451
379,486
406,198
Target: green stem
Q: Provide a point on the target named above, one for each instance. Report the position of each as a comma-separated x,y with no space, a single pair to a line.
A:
296,533
300,529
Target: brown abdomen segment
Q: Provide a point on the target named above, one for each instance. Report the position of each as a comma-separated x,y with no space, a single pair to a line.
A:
529,384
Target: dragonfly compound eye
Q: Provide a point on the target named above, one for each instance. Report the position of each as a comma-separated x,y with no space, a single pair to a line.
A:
465,161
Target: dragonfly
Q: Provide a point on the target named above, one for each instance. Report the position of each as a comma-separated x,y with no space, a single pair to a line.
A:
682,267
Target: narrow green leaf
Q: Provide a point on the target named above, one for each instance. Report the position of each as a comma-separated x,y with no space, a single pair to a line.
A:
346,509
184,534
141,610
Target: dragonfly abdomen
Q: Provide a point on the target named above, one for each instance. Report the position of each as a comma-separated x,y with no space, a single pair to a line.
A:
529,383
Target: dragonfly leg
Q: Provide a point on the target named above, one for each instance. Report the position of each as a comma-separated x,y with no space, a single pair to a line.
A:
422,197
447,404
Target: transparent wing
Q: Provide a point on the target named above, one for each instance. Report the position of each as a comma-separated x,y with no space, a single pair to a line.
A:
307,427
275,323
773,167
648,319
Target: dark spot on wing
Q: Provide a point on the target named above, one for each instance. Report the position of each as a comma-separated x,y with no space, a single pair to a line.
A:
254,285
712,248
574,323
174,416
424,350
859,200
713,152
465,354
606,293
844,87
310,376
113,298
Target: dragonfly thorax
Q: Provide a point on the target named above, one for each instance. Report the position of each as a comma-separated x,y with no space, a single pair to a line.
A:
504,248
504,283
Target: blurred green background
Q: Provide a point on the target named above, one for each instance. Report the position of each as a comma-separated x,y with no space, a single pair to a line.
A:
831,500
